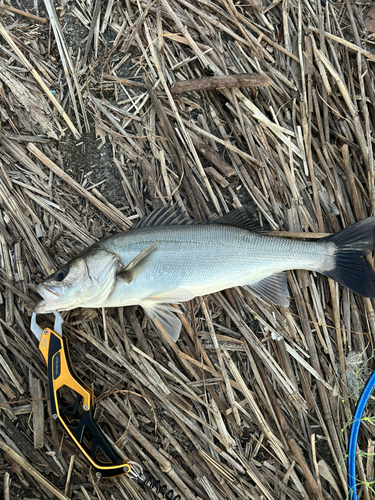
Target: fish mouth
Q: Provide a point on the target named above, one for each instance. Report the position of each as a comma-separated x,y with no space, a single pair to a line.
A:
50,297
41,308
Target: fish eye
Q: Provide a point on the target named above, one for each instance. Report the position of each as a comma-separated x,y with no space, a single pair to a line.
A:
61,274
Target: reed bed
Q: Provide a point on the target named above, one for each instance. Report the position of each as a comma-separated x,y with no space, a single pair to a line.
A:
214,105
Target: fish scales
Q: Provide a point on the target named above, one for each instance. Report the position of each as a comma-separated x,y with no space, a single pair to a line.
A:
169,259
204,258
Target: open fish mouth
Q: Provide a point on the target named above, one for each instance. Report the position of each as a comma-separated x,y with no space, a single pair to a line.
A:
41,307
50,297
48,292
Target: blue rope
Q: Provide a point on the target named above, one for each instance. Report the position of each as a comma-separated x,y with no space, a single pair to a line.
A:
353,438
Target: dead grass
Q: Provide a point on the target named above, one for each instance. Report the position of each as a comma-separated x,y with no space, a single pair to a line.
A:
253,401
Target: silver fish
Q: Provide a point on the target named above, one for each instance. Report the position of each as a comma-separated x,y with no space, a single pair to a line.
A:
169,259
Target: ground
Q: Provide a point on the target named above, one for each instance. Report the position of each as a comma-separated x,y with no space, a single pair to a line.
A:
253,401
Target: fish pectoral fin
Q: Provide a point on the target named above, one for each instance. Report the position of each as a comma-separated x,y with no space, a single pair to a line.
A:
129,272
166,316
173,296
273,288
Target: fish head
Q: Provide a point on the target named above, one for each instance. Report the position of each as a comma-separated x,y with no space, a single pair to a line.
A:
86,281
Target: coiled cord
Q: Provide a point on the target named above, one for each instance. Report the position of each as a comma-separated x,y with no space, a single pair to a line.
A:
136,473
151,482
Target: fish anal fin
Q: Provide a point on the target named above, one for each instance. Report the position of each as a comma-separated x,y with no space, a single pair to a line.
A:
240,217
129,272
166,316
274,288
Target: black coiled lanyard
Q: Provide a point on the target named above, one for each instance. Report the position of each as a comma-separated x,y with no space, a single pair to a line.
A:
151,482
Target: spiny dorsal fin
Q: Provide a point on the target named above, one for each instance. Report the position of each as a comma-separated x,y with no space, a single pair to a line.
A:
273,288
170,214
240,217
136,266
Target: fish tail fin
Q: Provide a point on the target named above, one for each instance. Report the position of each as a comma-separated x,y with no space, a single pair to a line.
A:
351,268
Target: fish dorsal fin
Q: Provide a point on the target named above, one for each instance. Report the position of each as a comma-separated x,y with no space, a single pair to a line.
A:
240,217
167,317
170,214
273,288
129,273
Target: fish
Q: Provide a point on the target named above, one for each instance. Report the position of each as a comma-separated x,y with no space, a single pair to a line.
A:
169,258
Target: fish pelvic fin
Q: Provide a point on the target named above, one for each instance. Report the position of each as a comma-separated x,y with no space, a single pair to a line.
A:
165,314
273,288
136,266
351,268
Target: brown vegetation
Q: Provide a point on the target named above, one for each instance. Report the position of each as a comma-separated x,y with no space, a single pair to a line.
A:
253,401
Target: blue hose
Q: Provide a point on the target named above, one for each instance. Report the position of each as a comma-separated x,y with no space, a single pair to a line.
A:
353,438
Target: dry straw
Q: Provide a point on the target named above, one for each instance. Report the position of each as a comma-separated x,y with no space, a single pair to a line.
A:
213,104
